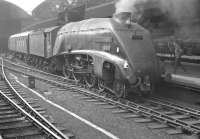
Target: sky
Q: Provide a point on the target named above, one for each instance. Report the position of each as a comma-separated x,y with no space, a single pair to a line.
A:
27,5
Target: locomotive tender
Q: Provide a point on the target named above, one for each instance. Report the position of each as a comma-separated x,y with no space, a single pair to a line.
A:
111,53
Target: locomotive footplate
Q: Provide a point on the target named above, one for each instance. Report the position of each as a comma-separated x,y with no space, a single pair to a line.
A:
80,69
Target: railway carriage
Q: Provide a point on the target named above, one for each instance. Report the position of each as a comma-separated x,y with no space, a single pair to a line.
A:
19,43
41,43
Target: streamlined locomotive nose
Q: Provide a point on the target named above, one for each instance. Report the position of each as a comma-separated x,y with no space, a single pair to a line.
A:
140,54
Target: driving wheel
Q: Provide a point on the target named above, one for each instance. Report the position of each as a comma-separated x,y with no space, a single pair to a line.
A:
120,89
67,72
101,84
90,80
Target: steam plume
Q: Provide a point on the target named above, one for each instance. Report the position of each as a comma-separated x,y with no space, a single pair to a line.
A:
183,13
127,5
175,8
179,9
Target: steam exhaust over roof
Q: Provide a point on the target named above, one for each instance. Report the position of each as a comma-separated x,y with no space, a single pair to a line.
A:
123,17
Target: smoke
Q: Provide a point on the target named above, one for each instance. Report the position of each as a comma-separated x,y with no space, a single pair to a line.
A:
177,9
185,14
180,9
127,5
182,13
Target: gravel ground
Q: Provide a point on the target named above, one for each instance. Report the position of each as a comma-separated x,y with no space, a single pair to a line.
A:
181,96
104,118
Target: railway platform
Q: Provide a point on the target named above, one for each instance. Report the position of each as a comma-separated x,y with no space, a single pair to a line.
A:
185,80
186,58
189,78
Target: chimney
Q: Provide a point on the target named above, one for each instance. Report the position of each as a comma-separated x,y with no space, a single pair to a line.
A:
123,17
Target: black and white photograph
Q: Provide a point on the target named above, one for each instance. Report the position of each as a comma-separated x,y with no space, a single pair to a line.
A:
99,69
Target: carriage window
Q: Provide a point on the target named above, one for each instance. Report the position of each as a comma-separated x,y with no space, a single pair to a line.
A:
137,37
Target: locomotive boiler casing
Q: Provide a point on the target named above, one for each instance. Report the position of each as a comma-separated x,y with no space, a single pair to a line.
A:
128,48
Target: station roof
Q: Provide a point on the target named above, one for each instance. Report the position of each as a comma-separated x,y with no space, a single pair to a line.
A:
101,11
11,11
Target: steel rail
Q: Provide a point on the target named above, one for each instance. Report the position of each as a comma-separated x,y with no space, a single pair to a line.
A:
182,109
181,85
40,71
31,113
130,106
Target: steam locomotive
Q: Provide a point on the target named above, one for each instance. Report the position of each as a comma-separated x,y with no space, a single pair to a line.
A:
107,53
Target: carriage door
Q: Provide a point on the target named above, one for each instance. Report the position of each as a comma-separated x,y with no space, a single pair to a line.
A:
48,44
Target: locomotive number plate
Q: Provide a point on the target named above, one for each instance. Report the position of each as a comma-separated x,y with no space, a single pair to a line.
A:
136,35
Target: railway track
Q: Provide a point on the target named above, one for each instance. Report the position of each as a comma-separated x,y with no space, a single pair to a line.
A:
21,116
175,118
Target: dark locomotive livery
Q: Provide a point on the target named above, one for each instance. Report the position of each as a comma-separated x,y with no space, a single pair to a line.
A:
110,53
